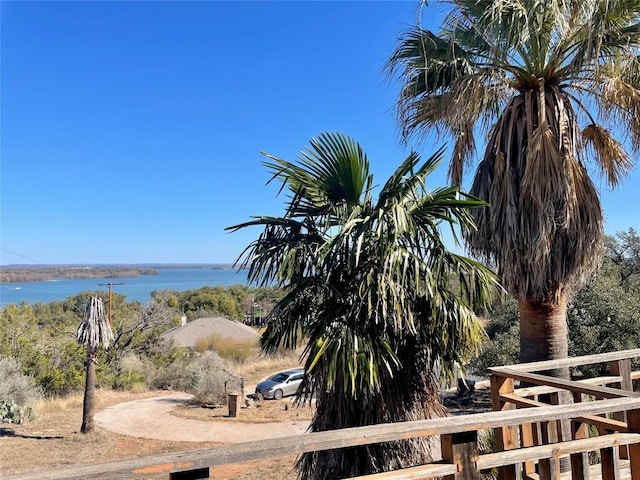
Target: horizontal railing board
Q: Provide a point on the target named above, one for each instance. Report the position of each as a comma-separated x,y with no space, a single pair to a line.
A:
432,470
574,361
317,441
573,386
541,390
605,423
510,457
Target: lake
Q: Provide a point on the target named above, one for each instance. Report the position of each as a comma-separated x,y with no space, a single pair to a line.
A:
136,289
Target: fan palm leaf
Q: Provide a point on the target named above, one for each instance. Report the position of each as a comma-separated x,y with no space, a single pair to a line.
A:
554,87
370,289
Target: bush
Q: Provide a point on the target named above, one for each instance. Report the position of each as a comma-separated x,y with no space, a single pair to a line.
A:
503,346
208,381
603,316
170,377
236,350
11,412
132,373
16,388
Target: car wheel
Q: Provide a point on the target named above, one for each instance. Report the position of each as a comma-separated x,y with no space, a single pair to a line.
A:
277,394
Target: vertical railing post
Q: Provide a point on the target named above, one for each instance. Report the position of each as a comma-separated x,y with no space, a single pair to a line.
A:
579,461
505,436
462,450
622,368
633,425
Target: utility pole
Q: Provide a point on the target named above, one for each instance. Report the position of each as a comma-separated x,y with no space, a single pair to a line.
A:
111,284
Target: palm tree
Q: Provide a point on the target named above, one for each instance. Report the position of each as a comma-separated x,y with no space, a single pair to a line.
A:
94,331
370,288
549,85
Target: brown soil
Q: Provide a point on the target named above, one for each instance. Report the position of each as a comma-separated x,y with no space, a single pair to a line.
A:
266,411
53,439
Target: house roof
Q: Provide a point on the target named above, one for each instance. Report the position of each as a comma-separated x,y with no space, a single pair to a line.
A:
202,328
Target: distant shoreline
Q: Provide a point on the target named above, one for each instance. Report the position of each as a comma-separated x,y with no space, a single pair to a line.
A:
42,273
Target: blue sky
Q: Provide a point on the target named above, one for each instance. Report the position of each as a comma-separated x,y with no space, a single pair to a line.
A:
132,131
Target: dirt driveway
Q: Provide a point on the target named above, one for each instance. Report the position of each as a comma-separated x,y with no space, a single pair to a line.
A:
152,418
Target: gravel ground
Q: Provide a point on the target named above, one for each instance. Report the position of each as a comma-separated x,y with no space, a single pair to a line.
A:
152,418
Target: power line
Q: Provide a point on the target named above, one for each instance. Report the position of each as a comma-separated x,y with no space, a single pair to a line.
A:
21,256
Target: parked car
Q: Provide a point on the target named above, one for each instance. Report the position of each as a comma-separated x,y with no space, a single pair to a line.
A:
281,384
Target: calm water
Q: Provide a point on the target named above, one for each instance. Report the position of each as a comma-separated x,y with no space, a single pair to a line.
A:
139,288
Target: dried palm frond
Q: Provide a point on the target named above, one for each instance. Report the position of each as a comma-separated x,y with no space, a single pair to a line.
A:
95,329
529,75
608,152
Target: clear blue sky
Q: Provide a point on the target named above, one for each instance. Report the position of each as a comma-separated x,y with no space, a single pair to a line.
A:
132,131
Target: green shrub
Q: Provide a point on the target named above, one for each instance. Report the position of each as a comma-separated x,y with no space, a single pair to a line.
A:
208,381
170,377
11,412
15,387
132,372
503,346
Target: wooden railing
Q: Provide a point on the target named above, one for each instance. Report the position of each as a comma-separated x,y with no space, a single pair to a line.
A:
529,444
540,390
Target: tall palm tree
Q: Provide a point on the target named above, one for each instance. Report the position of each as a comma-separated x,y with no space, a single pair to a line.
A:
94,331
549,84
385,309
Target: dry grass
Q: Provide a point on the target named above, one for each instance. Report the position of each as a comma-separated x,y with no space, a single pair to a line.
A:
263,365
53,439
237,350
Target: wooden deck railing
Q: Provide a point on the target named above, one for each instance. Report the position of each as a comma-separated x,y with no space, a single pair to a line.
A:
541,390
527,434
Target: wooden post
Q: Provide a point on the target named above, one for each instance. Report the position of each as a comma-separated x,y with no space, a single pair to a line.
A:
528,439
633,424
234,404
579,461
505,436
622,368
610,463
545,467
461,449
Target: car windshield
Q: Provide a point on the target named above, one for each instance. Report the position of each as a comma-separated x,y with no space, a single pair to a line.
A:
280,377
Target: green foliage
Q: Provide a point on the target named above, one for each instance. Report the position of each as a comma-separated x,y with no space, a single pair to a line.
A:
503,344
15,386
208,381
41,337
368,289
11,412
603,316
210,301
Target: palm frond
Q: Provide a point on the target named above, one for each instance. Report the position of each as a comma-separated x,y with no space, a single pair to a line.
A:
95,330
369,286
608,153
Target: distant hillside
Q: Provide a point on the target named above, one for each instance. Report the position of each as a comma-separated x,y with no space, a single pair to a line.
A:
42,273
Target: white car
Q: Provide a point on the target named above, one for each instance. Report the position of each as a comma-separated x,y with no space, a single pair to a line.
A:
281,384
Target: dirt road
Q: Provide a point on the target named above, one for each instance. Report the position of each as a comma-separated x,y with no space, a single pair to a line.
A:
152,418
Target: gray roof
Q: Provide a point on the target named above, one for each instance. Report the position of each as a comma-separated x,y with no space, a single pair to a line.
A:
202,328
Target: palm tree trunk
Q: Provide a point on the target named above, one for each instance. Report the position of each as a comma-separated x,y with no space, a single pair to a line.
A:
88,404
543,331
544,336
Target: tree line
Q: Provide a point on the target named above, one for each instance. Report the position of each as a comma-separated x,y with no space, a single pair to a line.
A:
41,336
